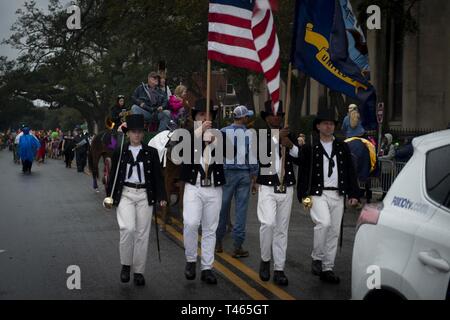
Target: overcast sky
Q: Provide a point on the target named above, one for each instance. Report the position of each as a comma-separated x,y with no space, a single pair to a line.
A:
8,16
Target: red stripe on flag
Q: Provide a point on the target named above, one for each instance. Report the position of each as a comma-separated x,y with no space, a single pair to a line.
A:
261,27
267,5
275,98
268,55
273,73
230,20
274,5
266,52
230,40
235,61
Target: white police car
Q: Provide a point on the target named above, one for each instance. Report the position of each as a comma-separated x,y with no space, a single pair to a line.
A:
402,245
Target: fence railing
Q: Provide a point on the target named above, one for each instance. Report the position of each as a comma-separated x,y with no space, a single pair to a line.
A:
388,172
400,133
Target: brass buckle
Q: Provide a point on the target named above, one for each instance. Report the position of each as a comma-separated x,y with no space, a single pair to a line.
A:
281,189
205,182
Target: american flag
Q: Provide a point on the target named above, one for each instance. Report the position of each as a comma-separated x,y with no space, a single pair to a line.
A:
242,33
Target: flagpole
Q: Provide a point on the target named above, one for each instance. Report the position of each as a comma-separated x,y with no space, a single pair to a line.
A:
288,95
208,90
208,106
286,121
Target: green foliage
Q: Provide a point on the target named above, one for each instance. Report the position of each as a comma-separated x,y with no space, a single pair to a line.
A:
66,119
120,42
15,111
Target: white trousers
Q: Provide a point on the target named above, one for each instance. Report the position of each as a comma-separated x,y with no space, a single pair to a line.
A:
274,214
201,206
135,217
326,213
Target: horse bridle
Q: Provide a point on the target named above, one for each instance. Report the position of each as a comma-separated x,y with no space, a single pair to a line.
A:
118,165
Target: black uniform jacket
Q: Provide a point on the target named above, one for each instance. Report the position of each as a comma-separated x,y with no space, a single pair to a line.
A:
154,179
189,172
273,179
347,181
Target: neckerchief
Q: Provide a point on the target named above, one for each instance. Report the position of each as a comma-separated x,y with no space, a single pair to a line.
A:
331,163
134,163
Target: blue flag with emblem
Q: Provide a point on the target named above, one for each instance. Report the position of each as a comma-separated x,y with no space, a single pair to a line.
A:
329,47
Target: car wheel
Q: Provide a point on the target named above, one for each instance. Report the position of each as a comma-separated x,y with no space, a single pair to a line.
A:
383,295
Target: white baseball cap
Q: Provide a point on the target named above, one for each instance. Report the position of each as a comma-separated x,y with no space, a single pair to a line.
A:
352,107
241,112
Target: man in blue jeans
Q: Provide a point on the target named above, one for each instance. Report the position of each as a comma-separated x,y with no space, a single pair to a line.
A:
239,173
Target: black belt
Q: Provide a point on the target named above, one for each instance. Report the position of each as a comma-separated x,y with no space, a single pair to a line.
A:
134,185
331,189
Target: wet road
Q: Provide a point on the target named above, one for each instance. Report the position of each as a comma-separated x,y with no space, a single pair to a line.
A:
53,219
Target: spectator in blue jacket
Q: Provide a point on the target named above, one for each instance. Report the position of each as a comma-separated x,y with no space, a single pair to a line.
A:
351,126
240,172
29,146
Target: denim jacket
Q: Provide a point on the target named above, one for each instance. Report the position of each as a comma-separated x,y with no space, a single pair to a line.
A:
155,99
253,168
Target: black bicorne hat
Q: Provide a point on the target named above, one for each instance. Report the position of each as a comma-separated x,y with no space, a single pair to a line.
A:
134,122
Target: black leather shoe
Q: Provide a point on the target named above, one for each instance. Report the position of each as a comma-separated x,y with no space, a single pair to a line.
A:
280,278
329,277
316,267
189,271
139,280
240,253
125,274
264,271
209,277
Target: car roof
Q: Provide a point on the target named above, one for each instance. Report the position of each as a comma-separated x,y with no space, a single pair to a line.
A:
431,141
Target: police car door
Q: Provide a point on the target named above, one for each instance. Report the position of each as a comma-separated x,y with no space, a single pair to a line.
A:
428,270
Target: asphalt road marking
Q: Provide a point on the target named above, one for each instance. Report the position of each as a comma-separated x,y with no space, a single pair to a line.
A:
2,251
236,280
280,293
283,295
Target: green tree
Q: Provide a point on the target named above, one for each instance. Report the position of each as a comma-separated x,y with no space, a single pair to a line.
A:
118,44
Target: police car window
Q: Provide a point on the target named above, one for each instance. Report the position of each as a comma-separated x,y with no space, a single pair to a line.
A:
438,175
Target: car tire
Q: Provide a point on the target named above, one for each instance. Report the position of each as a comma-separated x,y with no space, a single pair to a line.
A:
383,295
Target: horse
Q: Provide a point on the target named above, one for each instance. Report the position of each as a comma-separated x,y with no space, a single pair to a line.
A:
171,172
100,148
364,158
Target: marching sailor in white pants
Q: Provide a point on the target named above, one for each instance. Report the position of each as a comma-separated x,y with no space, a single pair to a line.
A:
202,200
274,199
326,176
139,187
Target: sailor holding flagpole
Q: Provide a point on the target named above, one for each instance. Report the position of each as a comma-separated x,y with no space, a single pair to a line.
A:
204,178
275,186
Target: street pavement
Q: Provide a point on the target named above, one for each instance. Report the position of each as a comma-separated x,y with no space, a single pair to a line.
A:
53,219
